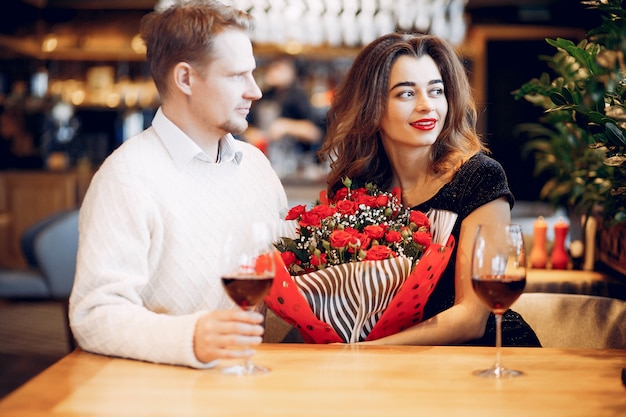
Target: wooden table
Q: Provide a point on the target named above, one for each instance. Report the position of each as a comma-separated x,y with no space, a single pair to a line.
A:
334,380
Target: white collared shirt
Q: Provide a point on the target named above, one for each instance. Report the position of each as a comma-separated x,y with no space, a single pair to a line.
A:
183,149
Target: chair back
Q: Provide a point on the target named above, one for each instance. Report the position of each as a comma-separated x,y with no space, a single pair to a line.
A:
574,320
28,237
55,248
278,330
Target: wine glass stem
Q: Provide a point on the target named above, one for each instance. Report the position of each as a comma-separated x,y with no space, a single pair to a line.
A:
498,365
248,365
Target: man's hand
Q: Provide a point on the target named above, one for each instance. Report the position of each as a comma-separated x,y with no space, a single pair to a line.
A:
224,334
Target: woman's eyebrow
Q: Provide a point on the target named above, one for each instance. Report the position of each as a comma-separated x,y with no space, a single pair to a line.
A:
413,84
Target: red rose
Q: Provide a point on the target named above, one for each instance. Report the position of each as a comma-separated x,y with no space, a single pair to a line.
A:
310,218
368,200
341,194
374,231
317,260
359,192
289,257
356,239
423,238
296,212
323,211
365,241
379,253
382,200
419,219
340,238
346,207
393,236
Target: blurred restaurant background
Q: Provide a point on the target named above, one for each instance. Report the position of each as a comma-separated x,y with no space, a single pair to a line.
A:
74,85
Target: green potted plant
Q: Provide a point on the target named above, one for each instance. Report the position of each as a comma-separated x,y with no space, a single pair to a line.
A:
580,141
581,138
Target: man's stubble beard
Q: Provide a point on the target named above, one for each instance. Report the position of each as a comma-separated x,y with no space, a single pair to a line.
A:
235,128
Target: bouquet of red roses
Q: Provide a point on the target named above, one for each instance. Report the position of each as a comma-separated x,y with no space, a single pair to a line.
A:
356,225
355,256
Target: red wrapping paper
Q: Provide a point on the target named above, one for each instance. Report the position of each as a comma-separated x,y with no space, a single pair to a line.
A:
405,310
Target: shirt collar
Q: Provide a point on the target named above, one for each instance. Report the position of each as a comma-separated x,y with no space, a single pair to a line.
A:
183,149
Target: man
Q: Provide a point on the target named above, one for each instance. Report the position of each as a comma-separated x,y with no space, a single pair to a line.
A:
156,213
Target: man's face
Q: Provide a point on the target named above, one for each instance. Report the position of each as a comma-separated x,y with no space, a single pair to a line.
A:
222,97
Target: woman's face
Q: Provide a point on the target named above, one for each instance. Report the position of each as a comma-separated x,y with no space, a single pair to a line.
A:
416,103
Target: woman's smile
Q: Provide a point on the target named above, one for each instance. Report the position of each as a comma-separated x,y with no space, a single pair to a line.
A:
425,124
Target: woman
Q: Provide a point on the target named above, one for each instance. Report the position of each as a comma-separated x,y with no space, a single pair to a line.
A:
404,117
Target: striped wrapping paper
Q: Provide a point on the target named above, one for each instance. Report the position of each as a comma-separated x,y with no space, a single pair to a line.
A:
353,296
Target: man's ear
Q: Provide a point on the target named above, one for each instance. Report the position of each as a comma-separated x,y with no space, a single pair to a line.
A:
183,77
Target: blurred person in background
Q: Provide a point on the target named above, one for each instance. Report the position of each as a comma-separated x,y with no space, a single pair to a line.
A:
17,148
283,122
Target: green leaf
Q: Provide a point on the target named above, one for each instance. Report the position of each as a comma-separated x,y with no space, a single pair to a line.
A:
567,95
558,99
615,135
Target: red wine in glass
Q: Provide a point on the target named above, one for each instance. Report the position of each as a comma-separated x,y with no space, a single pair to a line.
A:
248,277
498,279
247,291
499,291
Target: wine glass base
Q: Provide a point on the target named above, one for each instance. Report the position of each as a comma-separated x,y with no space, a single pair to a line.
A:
498,372
245,370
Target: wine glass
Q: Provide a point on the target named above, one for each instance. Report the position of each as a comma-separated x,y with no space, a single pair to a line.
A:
498,278
248,277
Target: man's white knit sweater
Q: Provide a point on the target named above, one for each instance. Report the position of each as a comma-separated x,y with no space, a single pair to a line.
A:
151,231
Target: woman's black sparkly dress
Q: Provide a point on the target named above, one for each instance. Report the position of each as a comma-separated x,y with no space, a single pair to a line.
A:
480,180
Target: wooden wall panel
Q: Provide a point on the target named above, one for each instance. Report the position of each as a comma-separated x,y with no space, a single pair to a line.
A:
25,198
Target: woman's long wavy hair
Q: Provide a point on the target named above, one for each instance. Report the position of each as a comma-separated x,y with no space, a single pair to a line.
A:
353,143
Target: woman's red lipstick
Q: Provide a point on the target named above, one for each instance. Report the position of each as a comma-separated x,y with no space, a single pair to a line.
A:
425,124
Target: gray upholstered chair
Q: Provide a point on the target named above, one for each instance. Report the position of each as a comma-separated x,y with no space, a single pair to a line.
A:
22,284
575,320
55,248
50,248
28,283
